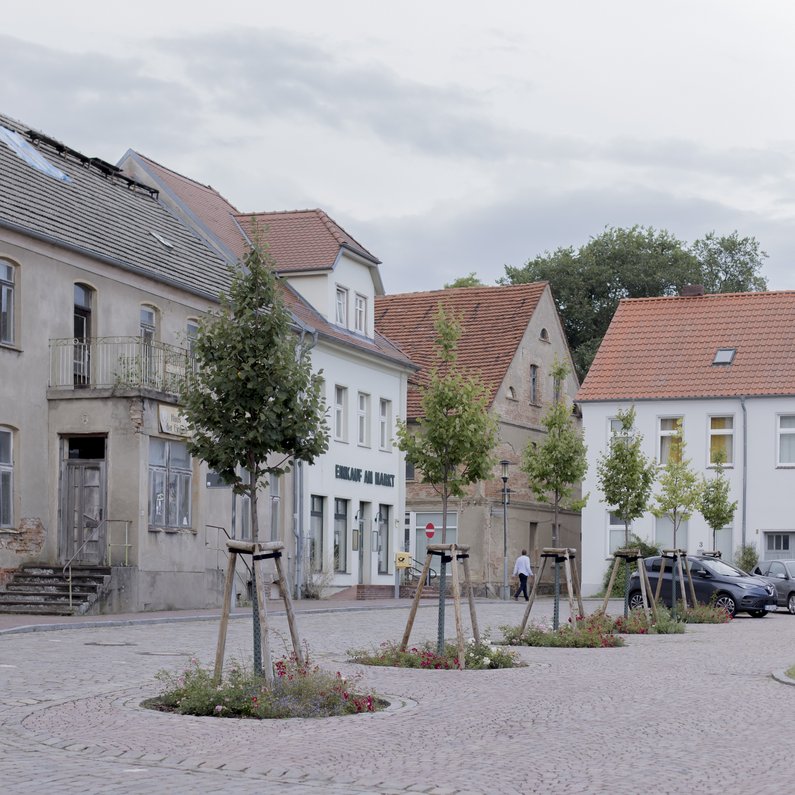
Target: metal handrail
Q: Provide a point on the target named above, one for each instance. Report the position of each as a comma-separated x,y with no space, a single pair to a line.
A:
106,559
415,570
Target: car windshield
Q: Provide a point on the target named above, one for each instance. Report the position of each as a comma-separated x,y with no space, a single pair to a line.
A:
791,568
721,569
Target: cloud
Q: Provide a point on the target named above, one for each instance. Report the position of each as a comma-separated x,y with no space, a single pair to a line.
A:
93,101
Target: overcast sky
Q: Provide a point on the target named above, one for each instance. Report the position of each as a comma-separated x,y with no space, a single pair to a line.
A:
447,136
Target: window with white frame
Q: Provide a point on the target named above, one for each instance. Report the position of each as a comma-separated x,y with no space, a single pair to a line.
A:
316,520
664,533
779,545
341,315
6,303
191,334
363,419
385,424
786,440
616,532
382,536
721,440
340,413
360,313
6,477
669,428
170,475
276,491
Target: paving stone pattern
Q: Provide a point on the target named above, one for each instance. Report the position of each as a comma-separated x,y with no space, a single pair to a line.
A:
689,713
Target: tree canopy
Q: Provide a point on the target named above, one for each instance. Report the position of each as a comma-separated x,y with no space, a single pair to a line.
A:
588,282
470,280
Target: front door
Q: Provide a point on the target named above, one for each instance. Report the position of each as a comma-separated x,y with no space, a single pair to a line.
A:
83,532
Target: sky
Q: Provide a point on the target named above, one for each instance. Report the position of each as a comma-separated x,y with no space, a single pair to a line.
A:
447,136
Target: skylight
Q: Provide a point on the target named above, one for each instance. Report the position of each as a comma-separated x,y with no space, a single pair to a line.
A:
27,152
724,356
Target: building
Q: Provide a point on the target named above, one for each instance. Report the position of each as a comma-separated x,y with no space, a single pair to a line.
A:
722,366
349,505
511,337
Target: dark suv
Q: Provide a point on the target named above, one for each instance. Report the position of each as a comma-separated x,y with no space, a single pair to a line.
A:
714,581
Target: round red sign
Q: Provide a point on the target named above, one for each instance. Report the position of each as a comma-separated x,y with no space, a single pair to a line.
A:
429,529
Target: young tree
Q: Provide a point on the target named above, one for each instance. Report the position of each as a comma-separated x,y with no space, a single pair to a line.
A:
625,476
680,493
715,506
454,438
555,467
253,402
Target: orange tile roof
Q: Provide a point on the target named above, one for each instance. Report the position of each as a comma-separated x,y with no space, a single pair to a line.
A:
301,239
664,348
206,204
494,319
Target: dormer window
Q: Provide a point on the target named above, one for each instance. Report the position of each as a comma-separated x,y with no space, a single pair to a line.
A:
360,313
724,356
342,307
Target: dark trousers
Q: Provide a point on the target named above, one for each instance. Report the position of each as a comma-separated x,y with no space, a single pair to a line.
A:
522,589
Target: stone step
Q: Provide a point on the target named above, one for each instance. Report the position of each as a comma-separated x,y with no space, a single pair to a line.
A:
57,571
21,595
40,609
92,583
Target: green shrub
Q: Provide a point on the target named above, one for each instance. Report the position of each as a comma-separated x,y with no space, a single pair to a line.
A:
478,656
299,690
636,623
646,549
746,557
703,614
594,631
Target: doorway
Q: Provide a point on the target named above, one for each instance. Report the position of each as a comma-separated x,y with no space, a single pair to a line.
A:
83,533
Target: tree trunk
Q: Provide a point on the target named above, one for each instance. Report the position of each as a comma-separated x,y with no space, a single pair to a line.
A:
442,577
252,491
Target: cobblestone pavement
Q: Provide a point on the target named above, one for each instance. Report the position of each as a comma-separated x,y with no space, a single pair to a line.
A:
692,713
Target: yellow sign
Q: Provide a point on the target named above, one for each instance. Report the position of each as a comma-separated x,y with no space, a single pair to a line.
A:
403,560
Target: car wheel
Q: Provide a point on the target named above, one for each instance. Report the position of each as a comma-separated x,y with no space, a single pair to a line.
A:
635,600
791,603
726,601
757,613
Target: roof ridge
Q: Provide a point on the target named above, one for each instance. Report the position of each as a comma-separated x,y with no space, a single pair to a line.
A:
709,296
469,290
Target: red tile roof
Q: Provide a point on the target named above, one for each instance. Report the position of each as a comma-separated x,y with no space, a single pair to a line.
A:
664,348
206,204
494,319
302,240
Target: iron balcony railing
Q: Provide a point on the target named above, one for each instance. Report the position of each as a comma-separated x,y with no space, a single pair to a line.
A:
126,362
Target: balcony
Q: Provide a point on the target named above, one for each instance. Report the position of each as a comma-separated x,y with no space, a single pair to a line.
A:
119,363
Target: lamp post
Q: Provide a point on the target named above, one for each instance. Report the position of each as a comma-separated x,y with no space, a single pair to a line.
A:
505,464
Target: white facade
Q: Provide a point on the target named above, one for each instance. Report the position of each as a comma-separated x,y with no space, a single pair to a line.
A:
759,435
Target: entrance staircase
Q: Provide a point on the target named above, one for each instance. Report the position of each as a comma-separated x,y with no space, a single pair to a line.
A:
44,590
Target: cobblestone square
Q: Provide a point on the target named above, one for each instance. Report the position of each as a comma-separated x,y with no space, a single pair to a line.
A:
699,712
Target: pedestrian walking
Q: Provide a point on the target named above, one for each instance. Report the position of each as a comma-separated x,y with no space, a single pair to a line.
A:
523,569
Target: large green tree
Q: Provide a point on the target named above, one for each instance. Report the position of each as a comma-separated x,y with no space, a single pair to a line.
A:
625,476
588,282
451,445
253,405
556,467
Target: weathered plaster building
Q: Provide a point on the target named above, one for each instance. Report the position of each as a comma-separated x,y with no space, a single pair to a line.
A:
511,337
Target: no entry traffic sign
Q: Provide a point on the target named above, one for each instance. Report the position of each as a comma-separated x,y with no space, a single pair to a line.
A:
429,529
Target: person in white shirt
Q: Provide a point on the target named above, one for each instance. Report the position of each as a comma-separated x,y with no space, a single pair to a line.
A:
522,568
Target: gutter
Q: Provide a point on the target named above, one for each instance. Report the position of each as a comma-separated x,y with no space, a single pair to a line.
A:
745,469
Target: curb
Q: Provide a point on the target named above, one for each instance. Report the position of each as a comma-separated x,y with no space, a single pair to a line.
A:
781,676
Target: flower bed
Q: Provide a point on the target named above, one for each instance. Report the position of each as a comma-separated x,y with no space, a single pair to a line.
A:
478,656
586,632
299,690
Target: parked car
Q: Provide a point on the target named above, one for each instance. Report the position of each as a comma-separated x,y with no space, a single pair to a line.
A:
781,573
714,581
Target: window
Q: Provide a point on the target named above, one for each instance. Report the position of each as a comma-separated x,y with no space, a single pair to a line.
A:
6,303
778,542
617,535
724,356
544,335
511,393
385,424
409,470
363,419
316,519
669,428
244,507
341,535
721,439
342,306
664,533
421,521
6,478
382,527
83,298
340,413
786,440
534,384
170,471
148,324
276,498
148,334
191,333
360,313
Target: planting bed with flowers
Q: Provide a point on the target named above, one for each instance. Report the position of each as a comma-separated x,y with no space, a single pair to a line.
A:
478,656
299,690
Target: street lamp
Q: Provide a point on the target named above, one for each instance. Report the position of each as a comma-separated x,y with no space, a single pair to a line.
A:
505,592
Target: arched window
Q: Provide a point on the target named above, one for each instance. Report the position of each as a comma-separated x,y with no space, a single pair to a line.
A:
544,335
7,300
511,393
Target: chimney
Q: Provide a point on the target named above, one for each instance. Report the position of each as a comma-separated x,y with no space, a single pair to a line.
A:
693,289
